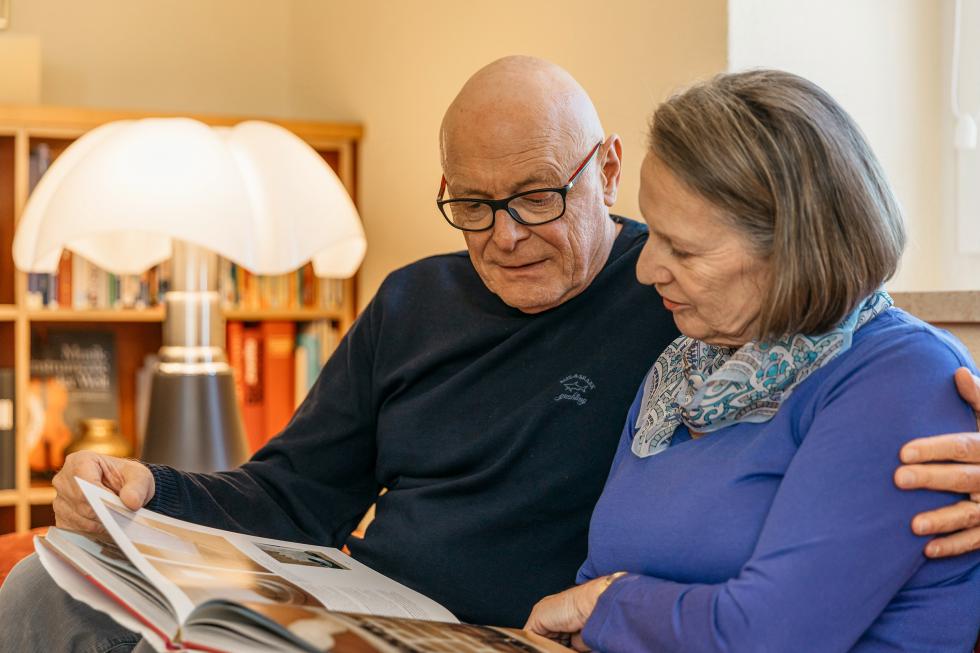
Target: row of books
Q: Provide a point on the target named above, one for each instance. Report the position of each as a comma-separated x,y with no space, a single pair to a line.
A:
276,364
79,284
74,375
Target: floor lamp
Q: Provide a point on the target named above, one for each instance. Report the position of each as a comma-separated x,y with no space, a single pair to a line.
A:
131,194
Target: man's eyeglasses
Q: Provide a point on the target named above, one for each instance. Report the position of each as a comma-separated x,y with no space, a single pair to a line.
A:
530,207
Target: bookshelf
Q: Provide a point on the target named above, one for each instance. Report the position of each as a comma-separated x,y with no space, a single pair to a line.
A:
137,331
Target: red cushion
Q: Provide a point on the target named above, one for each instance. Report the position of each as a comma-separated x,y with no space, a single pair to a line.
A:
14,547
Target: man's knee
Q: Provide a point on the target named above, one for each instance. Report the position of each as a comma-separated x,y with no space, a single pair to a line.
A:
27,577
36,614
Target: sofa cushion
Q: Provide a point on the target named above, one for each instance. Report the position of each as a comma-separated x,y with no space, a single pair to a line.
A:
14,547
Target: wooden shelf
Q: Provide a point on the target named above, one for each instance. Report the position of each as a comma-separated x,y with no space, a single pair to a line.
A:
157,314
39,496
285,314
136,332
95,315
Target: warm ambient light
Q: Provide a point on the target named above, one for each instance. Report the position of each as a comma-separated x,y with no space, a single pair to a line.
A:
131,194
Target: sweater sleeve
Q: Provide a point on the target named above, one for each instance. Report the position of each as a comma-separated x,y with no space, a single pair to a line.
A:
313,481
836,546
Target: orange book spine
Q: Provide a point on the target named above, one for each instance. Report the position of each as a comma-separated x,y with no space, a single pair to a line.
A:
64,280
278,362
253,387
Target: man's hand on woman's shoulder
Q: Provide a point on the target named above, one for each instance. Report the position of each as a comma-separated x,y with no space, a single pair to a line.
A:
948,463
129,479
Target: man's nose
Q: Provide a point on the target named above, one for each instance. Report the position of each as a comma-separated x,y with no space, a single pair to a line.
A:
507,232
650,269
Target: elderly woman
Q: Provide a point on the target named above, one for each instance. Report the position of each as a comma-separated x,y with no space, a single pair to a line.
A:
750,506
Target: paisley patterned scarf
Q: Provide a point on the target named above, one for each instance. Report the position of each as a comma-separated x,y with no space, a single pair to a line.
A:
708,388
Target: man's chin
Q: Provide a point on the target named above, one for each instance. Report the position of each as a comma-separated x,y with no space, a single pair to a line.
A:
532,302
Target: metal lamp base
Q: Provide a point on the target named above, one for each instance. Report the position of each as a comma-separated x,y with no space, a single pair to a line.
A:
194,423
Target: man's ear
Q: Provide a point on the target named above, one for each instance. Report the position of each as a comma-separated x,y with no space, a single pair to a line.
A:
611,168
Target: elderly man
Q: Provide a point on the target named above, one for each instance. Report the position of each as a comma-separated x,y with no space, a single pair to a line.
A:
486,392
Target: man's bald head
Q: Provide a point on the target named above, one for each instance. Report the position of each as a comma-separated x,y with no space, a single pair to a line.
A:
519,129
521,98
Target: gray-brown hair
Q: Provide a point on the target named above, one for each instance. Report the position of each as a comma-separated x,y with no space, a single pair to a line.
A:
793,171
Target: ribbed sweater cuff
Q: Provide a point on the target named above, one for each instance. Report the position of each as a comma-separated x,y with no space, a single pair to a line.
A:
166,496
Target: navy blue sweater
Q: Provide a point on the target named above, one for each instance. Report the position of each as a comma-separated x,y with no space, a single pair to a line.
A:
493,431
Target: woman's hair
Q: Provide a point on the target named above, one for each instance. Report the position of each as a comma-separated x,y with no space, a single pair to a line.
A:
792,170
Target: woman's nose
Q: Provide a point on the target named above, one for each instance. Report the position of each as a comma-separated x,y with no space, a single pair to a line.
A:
649,269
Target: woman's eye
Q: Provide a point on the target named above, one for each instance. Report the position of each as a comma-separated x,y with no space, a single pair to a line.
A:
677,253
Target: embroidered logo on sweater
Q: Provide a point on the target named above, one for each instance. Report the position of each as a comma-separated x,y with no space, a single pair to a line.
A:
576,387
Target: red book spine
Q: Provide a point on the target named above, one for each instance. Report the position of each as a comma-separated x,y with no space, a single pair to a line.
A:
278,363
253,406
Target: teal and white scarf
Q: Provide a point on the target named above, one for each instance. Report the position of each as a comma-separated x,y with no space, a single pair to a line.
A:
708,388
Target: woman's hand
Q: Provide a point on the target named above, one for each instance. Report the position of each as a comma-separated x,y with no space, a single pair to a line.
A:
562,616
960,522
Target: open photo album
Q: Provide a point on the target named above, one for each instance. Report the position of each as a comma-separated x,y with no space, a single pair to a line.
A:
190,587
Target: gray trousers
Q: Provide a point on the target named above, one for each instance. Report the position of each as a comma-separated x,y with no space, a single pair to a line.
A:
37,615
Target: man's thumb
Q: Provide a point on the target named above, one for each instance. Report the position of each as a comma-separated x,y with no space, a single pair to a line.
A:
137,487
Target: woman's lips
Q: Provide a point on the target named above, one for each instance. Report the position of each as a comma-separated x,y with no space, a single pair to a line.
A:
672,305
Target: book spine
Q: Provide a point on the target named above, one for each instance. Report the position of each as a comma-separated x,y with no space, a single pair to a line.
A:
65,267
253,413
7,430
277,348
235,341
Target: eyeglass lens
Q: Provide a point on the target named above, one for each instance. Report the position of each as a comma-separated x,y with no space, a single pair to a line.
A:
533,208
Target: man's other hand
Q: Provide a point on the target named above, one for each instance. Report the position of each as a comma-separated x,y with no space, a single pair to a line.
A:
955,467
131,480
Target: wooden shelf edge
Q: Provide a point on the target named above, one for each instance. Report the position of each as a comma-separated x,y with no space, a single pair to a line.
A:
157,314
70,122
95,315
39,496
8,312
283,314
9,497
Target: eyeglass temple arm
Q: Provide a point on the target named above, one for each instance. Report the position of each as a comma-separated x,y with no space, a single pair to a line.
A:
579,169
442,188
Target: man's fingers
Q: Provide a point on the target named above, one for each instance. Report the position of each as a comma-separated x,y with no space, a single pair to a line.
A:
137,486
943,478
965,514
968,386
958,447
954,545
66,516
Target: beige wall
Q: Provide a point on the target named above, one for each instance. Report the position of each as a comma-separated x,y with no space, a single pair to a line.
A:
392,65
397,65
176,55
884,61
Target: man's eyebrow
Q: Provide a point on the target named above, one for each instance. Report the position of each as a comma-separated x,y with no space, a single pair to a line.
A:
533,180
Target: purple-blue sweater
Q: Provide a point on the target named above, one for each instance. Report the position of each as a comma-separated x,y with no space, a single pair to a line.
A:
790,535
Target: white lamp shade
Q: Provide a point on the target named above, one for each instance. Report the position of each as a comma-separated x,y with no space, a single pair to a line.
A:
254,193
